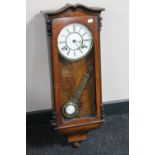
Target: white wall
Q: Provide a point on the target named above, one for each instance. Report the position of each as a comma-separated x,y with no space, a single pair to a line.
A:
114,48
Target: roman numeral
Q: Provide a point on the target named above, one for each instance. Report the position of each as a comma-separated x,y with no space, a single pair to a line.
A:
64,48
80,50
74,53
84,46
68,52
86,39
84,33
62,42
68,31
80,29
73,27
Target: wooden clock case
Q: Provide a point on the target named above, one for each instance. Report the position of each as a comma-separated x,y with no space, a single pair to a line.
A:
66,75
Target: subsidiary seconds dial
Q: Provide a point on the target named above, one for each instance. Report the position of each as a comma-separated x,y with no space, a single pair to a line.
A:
74,41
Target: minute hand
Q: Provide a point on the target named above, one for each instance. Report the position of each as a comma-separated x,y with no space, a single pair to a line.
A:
82,84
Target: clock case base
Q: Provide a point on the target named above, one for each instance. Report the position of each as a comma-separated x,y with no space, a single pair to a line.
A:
77,137
76,130
79,128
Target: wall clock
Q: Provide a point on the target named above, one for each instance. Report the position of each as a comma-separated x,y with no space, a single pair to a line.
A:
74,35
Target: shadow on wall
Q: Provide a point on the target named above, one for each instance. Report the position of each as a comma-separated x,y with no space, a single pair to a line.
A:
37,65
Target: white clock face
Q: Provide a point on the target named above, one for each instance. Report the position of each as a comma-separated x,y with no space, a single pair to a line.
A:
74,41
70,109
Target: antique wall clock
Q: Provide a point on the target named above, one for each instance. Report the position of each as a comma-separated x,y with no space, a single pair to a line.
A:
74,34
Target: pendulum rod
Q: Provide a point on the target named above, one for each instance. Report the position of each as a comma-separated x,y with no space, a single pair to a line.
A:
82,84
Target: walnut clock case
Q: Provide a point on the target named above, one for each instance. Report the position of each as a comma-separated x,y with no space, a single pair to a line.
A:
74,34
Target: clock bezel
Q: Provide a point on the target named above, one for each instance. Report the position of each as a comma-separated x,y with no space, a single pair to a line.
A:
91,46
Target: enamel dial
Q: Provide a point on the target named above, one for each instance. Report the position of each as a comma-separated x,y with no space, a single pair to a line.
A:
74,41
70,110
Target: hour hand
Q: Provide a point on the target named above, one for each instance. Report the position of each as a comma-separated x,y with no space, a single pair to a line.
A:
76,42
79,41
